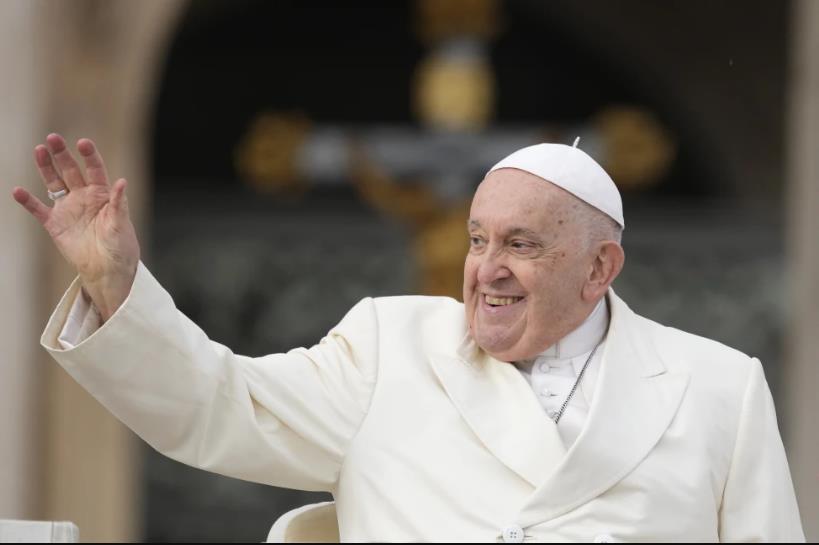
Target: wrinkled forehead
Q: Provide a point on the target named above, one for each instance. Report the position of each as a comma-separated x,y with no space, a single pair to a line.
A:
514,197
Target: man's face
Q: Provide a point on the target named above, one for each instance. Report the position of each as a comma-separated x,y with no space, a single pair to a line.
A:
526,266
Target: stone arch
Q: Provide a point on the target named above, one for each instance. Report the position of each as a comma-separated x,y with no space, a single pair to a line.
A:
98,65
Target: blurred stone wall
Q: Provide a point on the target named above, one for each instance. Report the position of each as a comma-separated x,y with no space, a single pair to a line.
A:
81,68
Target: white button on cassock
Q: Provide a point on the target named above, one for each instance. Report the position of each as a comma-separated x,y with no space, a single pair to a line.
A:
604,538
512,534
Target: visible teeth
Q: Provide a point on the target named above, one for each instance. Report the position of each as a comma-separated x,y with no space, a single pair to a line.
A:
498,301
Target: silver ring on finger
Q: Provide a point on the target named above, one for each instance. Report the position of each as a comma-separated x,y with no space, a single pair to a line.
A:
54,195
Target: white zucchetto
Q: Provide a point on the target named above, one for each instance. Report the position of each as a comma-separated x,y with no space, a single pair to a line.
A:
571,169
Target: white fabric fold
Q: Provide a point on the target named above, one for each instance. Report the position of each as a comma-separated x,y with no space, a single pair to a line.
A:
82,321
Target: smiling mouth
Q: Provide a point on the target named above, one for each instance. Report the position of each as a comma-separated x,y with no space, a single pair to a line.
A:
501,301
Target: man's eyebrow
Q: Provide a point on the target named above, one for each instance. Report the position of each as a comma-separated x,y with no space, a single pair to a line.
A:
523,232
514,231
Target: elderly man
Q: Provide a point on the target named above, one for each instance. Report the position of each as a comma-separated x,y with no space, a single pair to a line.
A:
542,408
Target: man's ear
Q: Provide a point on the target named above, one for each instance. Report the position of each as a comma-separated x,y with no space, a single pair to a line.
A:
607,264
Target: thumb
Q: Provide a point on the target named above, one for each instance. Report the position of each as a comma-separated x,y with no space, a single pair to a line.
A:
118,199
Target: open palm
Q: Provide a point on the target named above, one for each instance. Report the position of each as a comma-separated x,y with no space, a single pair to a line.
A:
90,224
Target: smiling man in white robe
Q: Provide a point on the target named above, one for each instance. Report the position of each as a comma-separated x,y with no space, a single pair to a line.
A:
540,409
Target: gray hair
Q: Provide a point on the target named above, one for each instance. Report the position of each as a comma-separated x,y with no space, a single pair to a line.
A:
597,225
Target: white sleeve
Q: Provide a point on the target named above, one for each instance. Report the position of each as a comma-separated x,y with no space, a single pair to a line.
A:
282,419
759,503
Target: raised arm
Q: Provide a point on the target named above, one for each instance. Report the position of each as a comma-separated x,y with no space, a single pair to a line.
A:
283,419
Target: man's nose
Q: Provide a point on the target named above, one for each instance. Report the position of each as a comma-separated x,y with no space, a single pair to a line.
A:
492,268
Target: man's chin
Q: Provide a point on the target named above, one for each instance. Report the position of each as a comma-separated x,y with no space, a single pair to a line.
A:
503,349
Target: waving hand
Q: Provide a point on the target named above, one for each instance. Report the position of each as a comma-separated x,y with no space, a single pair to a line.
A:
89,222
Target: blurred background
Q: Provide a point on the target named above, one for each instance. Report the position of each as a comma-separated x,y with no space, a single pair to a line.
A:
289,158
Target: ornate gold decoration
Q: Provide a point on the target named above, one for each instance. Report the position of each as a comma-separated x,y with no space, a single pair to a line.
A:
440,247
638,149
439,230
266,156
443,19
454,93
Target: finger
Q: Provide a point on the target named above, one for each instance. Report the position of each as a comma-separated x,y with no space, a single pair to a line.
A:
48,172
32,204
94,166
72,175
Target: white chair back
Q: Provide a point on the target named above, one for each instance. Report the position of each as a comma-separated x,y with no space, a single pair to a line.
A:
35,531
315,523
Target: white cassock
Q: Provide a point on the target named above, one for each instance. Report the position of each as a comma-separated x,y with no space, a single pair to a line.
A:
421,436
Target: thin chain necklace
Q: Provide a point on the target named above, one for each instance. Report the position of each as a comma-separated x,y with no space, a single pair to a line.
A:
556,417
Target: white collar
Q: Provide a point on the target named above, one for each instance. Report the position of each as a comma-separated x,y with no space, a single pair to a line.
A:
583,339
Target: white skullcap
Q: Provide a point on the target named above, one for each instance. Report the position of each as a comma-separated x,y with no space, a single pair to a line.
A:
573,170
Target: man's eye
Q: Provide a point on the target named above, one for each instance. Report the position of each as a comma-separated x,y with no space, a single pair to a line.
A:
475,241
